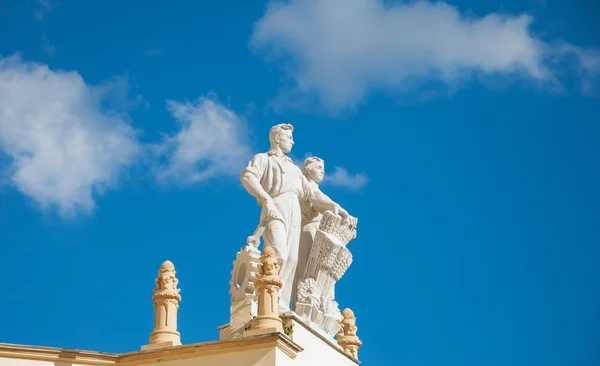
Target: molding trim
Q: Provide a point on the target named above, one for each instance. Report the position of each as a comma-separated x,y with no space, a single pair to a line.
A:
57,354
296,318
270,340
288,346
186,351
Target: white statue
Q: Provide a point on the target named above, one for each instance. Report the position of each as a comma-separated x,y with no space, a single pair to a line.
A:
323,257
279,186
313,170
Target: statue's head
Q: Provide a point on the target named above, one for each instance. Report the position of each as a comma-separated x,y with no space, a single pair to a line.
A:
314,168
280,137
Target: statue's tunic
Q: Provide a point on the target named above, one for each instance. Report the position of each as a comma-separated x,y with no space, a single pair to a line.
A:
311,219
310,216
286,185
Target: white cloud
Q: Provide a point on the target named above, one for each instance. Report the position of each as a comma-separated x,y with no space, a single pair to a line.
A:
210,142
116,92
42,8
342,50
47,46
63,148
587,65
341,178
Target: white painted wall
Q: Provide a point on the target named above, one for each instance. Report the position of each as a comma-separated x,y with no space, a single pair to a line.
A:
316,351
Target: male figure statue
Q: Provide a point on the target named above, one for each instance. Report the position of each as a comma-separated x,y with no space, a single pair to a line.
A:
279,186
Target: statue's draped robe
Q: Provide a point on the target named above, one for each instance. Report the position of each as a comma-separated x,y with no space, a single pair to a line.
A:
285,184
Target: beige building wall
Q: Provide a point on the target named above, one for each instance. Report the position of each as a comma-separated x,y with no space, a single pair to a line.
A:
266,350
21,362
257,357
260,350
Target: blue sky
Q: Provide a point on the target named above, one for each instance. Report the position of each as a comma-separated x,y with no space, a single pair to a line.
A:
463,135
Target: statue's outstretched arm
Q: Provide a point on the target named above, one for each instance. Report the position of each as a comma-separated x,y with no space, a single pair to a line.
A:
321,202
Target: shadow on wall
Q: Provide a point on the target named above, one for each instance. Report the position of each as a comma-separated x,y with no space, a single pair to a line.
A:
63,364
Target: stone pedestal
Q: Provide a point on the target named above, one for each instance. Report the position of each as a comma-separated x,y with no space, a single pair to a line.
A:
328,261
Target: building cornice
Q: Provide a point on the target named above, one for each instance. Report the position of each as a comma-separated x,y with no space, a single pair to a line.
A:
186,351
194,350
57,354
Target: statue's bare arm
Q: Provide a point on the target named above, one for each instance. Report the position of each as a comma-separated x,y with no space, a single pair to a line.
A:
253,186
321,202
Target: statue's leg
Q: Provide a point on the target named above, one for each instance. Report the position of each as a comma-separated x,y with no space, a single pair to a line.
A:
284,238
288,272
293,221
275,236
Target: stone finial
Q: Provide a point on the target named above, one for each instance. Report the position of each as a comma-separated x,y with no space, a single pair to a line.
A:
347,338
267,285
166,303
167,266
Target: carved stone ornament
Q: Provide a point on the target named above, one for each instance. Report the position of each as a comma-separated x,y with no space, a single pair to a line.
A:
243,274
328,261
268,285
347,338
166,300
242,289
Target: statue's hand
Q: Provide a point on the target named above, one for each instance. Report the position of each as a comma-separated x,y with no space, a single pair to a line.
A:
272,212
350,220
340,211
353,220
